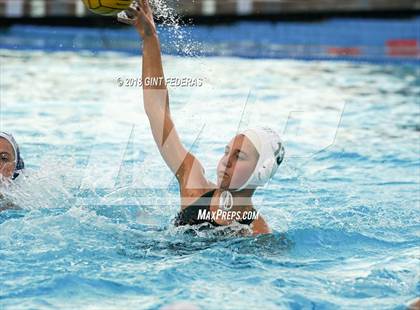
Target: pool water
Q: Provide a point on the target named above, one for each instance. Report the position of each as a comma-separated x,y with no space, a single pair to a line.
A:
97,200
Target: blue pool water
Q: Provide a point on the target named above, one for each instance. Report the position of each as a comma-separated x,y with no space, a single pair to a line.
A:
97,201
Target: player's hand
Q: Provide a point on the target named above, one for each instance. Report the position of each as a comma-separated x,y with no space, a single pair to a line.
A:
144,23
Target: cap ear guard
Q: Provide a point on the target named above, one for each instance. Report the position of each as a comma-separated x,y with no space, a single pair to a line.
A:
270,166
265,173
20,165
279,153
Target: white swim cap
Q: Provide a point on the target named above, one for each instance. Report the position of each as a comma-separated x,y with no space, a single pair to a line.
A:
271,150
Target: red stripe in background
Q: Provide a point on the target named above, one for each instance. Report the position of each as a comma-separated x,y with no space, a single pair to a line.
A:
344,51
402,47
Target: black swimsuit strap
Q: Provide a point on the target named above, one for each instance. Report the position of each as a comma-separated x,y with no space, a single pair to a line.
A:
189,215
209,193
248,222
205,196
207,207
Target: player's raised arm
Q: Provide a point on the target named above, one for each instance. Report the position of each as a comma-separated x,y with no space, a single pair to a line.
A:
156,103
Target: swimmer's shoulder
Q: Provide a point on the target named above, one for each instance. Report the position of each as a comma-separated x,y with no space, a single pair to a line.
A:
259,226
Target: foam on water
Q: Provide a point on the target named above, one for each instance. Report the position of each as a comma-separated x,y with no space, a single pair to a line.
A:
178,37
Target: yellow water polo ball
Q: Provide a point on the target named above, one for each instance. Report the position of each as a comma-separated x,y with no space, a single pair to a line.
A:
107,7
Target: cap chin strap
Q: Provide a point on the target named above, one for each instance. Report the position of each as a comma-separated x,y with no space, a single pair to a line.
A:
257,179
260,175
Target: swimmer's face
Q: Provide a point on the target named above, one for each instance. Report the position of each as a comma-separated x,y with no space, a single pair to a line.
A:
237,164
7,159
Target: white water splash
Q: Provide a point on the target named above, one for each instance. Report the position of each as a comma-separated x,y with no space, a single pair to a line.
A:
180,36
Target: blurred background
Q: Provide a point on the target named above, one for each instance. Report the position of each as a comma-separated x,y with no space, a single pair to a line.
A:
41,8
368,30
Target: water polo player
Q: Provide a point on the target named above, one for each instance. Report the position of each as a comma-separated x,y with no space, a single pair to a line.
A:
11,163
251,158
